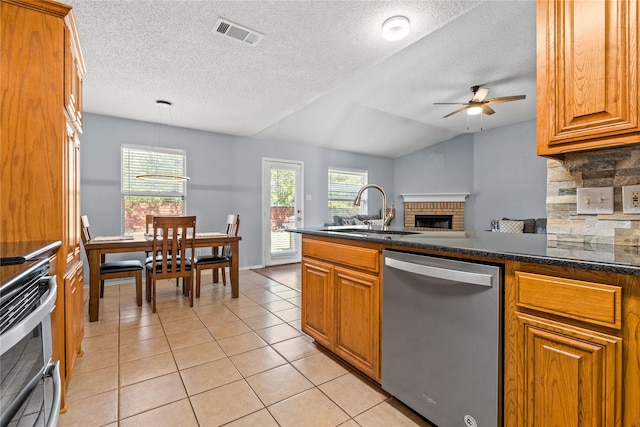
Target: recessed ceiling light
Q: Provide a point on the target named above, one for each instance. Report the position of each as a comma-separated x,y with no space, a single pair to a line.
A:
395,28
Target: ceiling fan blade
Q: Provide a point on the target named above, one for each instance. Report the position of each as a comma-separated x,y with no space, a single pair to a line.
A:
457,111
487,110
480,94
450,103
504,99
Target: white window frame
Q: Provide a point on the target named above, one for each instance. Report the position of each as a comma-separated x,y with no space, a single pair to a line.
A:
139,188
348,195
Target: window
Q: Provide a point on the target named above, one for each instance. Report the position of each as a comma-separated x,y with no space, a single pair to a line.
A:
141,197
343,187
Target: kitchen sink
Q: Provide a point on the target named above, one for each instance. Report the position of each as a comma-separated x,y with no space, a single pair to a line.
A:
372,231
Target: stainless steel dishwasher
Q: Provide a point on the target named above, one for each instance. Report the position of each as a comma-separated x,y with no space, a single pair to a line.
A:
441,331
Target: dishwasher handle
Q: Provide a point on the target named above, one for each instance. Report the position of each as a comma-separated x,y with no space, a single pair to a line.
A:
441,273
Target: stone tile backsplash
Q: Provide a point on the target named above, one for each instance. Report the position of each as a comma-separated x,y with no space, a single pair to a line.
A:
607,168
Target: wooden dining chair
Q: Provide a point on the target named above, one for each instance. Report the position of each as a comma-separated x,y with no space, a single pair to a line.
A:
114,269
148,230
173,242
217,260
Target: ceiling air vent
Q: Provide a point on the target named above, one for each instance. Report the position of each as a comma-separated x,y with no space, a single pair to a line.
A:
238,32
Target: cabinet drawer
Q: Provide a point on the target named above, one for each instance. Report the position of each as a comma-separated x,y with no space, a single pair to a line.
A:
353,256
586,301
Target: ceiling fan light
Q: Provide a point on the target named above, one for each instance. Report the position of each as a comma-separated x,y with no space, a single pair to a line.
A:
395,28
472,111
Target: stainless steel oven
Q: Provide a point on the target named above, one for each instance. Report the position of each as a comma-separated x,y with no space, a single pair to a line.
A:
29,380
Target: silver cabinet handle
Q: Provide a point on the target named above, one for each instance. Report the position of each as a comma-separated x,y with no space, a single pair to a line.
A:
441,273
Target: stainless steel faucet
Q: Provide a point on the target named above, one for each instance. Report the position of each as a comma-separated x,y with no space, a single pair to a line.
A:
387,215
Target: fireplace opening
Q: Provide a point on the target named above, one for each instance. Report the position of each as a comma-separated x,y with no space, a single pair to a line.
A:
434,221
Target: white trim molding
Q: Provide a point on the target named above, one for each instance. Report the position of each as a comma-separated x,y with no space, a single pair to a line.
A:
434,197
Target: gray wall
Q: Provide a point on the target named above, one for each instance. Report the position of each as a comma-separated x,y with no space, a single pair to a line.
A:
442,168
225,172
498,167
509,178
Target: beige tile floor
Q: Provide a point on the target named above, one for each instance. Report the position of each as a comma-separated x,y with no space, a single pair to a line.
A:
235,362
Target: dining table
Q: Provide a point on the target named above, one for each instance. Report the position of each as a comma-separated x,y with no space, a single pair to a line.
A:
104,245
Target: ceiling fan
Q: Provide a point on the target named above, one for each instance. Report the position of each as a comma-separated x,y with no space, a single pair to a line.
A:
478,104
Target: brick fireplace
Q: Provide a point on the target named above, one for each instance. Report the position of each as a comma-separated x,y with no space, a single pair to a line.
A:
434,211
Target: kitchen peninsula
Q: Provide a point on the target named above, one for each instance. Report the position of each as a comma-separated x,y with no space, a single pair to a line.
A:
570,315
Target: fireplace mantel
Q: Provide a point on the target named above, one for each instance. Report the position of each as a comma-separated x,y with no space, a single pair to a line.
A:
434,197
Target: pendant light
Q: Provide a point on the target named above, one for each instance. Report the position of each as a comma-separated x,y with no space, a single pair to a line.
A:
162,177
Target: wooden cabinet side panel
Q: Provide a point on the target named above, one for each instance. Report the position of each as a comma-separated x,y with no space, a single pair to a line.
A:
513,381
630,369
358,320
32,123
318,301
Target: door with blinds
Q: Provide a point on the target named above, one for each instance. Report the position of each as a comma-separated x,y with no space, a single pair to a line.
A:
282,210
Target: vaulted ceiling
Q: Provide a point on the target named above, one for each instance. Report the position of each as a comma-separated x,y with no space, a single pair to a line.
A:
322,74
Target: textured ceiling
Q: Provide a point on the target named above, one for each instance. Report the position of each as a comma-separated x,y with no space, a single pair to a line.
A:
322,75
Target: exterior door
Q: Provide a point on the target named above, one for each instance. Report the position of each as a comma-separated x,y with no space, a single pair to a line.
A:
282,210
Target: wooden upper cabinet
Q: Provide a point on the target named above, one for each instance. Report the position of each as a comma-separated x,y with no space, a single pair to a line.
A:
587,75
74,71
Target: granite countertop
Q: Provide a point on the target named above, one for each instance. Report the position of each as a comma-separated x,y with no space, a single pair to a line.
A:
534,248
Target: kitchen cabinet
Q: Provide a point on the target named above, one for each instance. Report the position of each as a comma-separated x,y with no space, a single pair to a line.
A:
357,316
341,301
318,300
42,69
74,316
74,71
587,75
571,347
570,324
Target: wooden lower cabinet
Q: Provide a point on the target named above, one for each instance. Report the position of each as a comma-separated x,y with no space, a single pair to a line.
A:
341,305
569,373
74,317
318,301
357,315
571,347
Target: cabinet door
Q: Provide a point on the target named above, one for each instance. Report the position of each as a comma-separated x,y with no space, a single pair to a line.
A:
74,72
569,375
72,196
318,301
358,320
587,75
74,318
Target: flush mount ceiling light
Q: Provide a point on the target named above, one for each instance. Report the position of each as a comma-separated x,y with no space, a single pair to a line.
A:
395,28
159,176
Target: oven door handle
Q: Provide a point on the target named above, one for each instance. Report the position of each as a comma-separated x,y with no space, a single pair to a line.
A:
29,323
21,398
53,370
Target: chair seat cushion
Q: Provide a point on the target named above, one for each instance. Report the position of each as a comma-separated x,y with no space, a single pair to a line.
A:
120,266
210,259
178,266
